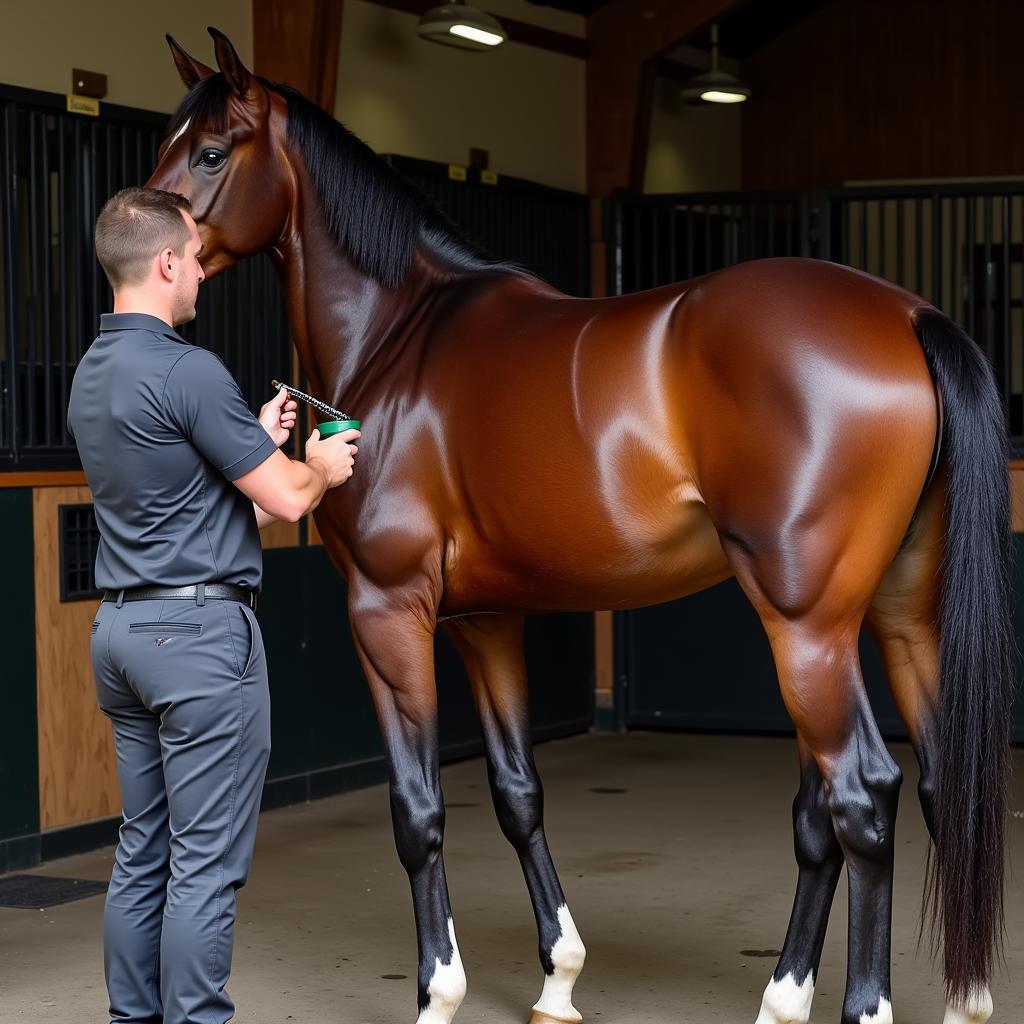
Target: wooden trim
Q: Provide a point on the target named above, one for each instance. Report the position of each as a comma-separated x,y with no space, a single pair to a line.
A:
296,42
59,478
518,31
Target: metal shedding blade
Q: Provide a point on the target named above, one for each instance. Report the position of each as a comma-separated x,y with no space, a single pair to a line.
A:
310,400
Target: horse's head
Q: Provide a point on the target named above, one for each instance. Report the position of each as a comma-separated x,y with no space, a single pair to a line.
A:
226,152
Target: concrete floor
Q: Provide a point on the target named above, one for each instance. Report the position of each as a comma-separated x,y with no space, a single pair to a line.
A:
681,888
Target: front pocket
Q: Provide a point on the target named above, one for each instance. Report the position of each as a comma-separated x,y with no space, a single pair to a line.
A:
248,648
186,628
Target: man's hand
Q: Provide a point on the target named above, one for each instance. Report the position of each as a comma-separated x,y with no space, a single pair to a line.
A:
278,416
334,455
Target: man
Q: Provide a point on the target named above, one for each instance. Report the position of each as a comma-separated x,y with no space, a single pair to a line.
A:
182,477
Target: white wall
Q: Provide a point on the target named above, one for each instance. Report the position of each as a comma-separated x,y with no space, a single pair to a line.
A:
40,42
404,95
692,148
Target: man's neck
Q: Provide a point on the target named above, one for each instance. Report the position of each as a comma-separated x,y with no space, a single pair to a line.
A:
127,301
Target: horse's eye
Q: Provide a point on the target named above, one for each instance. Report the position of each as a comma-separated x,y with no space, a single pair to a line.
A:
211,158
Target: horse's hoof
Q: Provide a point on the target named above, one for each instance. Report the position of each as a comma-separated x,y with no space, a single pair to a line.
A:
537,1017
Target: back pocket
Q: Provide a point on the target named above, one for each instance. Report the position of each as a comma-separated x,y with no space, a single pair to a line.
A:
167,628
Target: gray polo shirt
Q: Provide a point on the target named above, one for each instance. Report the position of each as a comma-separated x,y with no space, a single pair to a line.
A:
162,430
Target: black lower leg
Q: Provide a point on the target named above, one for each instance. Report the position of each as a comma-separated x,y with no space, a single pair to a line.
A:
820,861
519,804
863,797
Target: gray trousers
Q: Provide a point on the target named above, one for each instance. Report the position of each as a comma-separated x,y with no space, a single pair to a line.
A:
185,686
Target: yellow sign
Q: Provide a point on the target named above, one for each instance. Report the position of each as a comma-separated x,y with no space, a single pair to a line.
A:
83,105
456,172
488,178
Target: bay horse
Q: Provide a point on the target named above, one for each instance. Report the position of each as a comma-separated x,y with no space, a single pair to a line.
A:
829,439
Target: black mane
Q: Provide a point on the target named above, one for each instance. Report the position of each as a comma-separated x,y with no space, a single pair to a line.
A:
374,215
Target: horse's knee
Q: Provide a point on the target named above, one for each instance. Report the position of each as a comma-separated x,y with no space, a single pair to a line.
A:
863,802
418,816
518,802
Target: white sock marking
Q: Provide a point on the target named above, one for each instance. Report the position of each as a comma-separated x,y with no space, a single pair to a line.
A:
882,1016
786,1002
447,987
976,1010
567,954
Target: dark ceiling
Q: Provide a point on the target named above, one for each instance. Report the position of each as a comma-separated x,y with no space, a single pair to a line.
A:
742,32
573,6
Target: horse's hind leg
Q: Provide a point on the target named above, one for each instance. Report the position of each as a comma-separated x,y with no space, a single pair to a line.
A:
813,626
491,647
787,999
903,619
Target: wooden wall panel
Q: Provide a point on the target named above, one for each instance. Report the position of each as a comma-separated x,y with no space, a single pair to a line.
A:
886,89
1017,495
77,770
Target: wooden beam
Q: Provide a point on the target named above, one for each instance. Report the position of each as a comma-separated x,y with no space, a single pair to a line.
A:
44,478
524,32
627,41
296,42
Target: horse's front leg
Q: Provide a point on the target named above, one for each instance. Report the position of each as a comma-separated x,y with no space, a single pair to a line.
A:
491,647
394,636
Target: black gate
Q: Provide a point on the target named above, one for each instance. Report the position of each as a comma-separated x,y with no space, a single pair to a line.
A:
56,171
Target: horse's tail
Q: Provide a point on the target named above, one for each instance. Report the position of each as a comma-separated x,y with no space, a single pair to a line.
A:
965,876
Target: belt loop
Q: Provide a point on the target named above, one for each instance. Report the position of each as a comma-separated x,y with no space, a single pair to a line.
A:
200,594
120,599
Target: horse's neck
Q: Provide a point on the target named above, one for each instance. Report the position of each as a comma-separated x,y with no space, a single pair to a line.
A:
343,322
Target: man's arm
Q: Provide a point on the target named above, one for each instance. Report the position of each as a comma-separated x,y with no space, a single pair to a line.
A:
263,518
282,488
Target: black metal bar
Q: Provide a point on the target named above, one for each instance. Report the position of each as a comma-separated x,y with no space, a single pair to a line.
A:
673,259
32,299
47,287
919,225
863,234
1006,329
64,297
655,212
689,243
8,187
936,249
900,211
972,326
986,208
881,237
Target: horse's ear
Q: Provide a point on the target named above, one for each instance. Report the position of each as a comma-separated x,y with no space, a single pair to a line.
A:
238,75
190,69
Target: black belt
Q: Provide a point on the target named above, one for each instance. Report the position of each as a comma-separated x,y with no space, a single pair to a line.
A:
198,592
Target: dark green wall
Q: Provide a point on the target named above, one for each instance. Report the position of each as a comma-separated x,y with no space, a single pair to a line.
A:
704,663
325,733
19,774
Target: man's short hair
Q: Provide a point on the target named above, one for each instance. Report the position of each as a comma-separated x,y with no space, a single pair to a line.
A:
133,226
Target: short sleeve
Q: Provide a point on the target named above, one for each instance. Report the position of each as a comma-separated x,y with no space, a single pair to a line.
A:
203,401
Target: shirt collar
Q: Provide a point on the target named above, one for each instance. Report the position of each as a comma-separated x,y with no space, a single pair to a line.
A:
138,322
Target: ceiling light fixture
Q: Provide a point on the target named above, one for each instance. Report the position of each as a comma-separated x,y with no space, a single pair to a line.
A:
715,85
457,24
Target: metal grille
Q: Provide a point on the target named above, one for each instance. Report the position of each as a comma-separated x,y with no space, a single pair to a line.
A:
543,229
658,239
57,171
79,540
961,247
